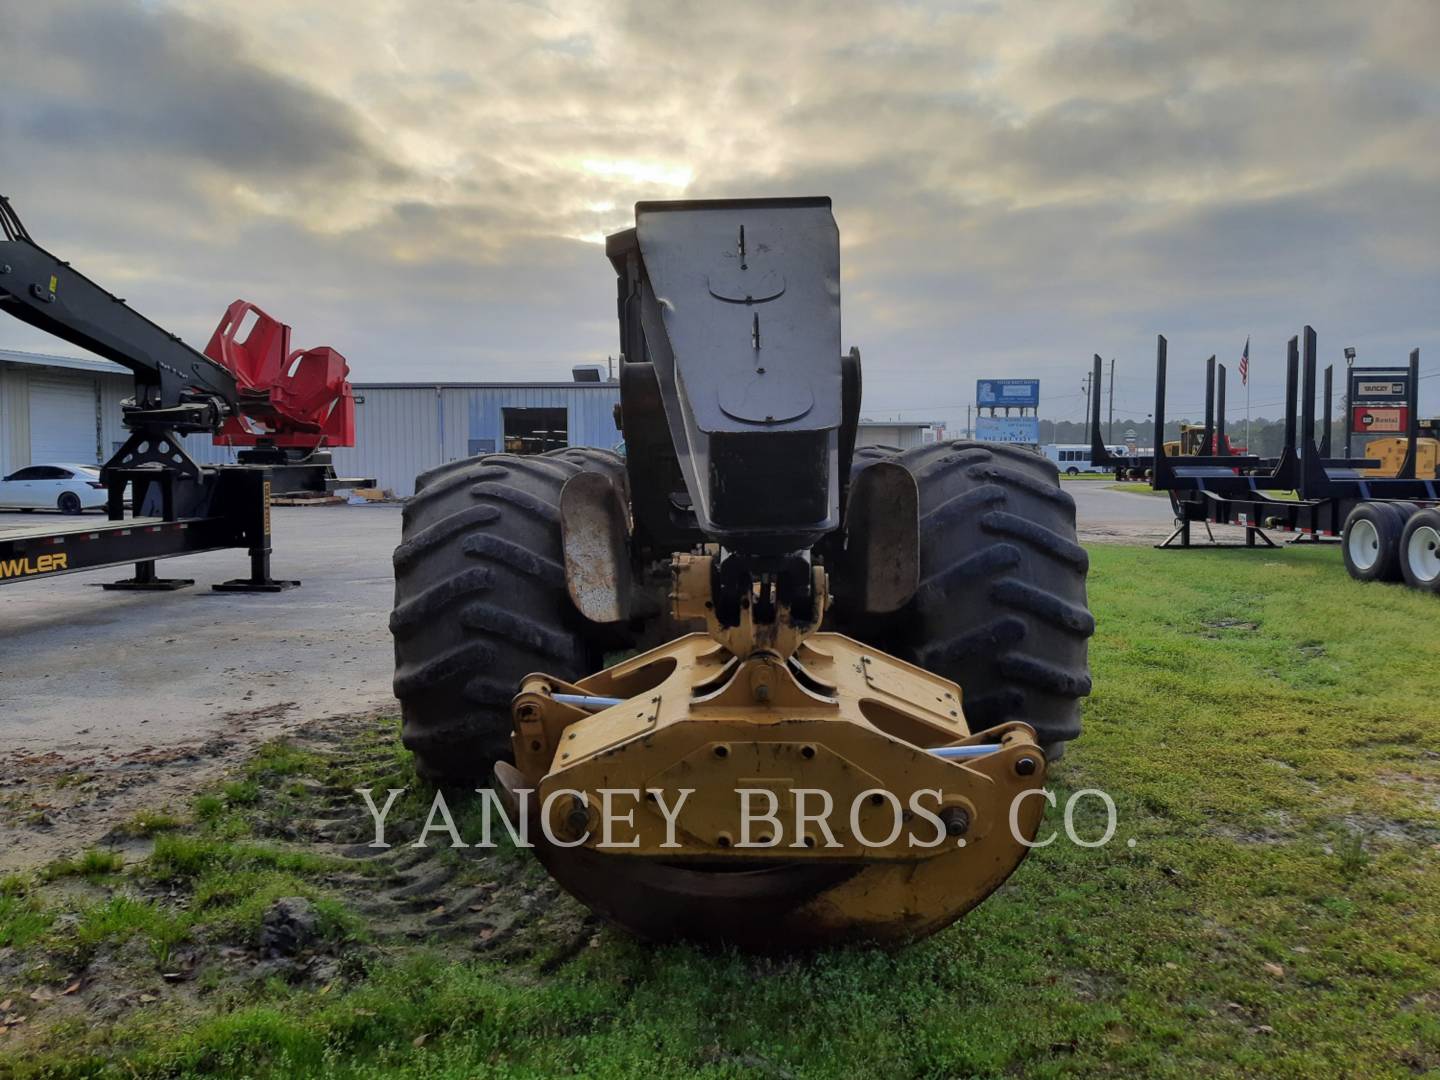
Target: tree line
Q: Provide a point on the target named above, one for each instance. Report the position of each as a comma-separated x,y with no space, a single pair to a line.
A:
1267,436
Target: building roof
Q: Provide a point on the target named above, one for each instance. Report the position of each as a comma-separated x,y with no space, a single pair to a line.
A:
448,385
865,420
75,363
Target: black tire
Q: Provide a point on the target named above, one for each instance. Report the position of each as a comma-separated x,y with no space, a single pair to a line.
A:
69,503
1420,551
1370,542
1072,471
1001,607
480,602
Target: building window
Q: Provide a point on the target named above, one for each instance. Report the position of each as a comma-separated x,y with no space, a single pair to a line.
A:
534,431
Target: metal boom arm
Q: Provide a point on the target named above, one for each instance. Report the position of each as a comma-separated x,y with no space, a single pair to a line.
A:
175,386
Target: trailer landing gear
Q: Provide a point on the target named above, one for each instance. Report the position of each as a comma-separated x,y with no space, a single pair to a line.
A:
146,581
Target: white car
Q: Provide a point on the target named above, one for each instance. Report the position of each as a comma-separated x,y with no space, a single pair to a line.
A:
71,489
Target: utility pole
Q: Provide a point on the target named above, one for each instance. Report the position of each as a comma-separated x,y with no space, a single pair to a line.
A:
967,421
1088,379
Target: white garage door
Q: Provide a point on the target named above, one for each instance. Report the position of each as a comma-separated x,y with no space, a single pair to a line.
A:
62,419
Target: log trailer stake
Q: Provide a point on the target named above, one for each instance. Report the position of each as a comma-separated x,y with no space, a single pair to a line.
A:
1373,518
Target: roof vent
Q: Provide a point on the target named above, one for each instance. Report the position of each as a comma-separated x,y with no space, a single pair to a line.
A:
587,373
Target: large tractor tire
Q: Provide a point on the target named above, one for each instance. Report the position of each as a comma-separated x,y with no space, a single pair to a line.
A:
1001,607
480,602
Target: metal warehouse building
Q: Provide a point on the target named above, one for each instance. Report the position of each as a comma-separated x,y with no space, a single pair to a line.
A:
402,429
63,409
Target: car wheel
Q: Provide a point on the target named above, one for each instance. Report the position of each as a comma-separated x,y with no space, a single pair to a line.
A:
69,503
1072,471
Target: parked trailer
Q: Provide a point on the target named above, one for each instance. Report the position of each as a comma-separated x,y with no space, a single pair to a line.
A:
1388,527
247,389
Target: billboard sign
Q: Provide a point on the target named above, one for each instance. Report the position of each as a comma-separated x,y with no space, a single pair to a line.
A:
1379,420
1379,386
1013,393
1008,429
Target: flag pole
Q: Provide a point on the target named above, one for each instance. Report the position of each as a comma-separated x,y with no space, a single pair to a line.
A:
1245,378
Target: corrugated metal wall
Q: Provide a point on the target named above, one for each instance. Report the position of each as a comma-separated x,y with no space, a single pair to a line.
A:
403,430
14,421
397,435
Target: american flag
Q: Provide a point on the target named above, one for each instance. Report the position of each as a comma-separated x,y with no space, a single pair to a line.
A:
1245,364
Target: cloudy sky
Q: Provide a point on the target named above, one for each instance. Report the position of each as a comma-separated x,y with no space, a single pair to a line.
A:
426,186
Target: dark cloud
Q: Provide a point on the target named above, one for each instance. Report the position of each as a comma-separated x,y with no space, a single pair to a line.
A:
1018,185
151,82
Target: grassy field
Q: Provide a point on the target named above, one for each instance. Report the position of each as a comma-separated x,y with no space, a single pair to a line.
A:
1137,488
1278,914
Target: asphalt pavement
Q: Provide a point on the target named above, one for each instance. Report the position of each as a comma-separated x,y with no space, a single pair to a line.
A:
82,669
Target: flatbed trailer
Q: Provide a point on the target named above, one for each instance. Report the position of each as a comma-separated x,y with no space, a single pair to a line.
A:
1332,494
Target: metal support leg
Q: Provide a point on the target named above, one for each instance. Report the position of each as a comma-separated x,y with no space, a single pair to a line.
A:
256,526
146,581
259,579
1182,531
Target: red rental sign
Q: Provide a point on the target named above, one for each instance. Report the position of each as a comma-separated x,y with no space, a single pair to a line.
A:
1380,420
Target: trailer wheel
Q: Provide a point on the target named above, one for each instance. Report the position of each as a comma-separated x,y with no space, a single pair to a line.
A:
1370,542
1001,607
480,602
1420,551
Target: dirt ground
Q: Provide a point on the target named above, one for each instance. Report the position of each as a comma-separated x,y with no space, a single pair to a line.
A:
114,701
118,702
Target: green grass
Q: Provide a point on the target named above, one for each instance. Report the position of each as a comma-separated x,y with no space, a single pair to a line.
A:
1137,489
146,823
93,863
1270,731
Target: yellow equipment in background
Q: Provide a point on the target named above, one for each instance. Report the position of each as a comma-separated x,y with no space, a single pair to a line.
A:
1390,452
1190,443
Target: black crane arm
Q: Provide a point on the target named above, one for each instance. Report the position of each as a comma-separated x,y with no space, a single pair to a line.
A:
176,387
